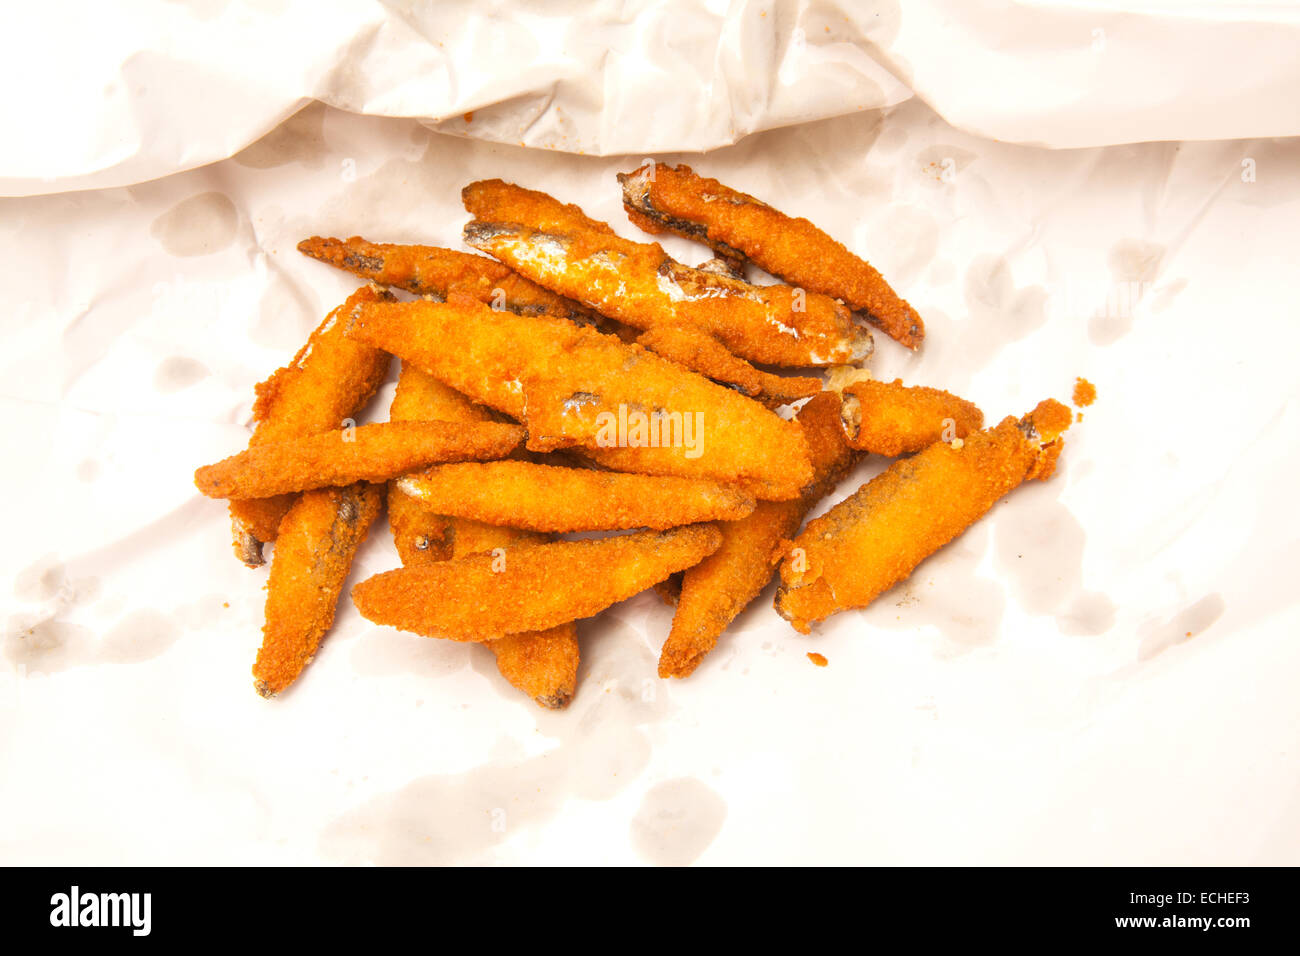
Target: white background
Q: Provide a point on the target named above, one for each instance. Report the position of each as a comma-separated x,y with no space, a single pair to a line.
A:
1030,695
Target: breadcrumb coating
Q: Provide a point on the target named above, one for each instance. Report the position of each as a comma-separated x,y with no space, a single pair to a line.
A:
537,497
892,419
1085,393
574,386
876,537
330,379
699,351
533,588
638,284
717,589
542,664
739,227
433,271
313,554
367,453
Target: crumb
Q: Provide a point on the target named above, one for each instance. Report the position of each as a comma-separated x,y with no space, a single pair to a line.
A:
1078,416
1085,393
817,659
1189,633
225,604
469,117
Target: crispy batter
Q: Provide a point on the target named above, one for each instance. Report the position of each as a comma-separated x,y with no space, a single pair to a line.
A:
699,351
533,588
313,554
433,271
420,535
739,227
535,497
875,538
574,386
638,284
495,200
330,379
542,664
717,589
367,453
892,419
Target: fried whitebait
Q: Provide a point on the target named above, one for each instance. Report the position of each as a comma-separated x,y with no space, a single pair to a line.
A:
638,284
318,539
436,272
329,380
628,409
876,537
533,588
739,228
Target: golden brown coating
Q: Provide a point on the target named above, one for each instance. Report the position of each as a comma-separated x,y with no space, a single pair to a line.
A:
495,200
533,588
1085,393
699,351
367,453
892,419
638,284
629,409
330,379
318,539
876,537
723,584
542,664
420,535
521,494
430,270
739,227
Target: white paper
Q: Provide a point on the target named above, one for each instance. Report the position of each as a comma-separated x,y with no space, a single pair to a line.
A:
1099,672
109,95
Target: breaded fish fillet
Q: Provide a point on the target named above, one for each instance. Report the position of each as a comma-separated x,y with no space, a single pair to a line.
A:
629,409
531,588
433,271
534,497
717,589
637,283
661,198
367,453
699,351
318,539
875,538
892,419
330,379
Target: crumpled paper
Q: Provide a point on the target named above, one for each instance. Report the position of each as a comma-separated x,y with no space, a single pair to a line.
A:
1099,672
146,88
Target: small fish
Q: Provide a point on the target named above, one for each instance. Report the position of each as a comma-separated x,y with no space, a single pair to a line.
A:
639,285
435,272
740,229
